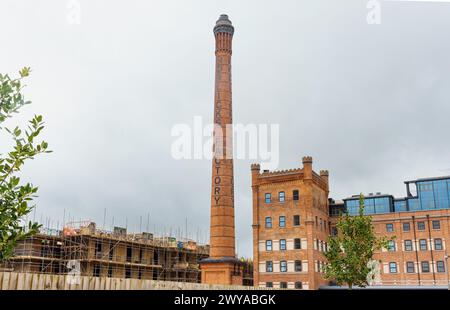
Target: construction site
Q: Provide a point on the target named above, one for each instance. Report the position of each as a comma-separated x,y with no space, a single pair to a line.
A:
82,249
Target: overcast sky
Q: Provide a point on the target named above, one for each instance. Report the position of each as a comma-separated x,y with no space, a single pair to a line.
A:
370,103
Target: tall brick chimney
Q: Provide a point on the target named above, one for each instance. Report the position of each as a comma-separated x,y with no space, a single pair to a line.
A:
222,267
222,237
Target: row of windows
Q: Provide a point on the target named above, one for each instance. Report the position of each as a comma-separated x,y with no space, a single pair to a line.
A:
323,246
281,196
372,205
320,245
436,224
322,223
111,252
297,285
423,245
282,221
97,271
297,244
320,266
425,267
283,266
295,222
393,267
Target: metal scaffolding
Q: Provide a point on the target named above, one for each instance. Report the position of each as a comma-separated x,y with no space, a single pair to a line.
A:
81,248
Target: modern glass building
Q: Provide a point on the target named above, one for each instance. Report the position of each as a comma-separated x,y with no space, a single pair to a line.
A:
374,204
430,194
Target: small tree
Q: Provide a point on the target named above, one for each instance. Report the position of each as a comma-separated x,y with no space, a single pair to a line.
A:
15,198
351,250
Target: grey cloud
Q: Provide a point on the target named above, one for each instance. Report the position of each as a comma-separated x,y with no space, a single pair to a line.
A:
368,102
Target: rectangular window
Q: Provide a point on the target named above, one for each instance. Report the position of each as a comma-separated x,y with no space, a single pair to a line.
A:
406,226
268,245
111,251
297,243
283,284
268,198
127,272
391,246
282,221
298,265
436,224
97,270
110,271
269,266
410,267
389,227
438,244
283,266
98,249
334,231
298,285
296,220
408,245
425,266
295,194
268,222
129,254
392,267
269,284
281,196
282,244
440,266
421,225
141,255
423,244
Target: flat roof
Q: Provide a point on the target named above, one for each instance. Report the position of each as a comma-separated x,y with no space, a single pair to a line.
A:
429,179
368,196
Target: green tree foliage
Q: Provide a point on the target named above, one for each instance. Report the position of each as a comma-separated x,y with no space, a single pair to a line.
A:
351,250
15,197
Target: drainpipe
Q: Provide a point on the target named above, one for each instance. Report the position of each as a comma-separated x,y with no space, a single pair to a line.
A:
431,249
415,248
446,269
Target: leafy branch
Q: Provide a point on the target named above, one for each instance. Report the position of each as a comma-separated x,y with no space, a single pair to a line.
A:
16,198
351,250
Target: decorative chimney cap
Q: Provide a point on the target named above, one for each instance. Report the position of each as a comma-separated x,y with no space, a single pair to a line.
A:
223,24
256,167
324,173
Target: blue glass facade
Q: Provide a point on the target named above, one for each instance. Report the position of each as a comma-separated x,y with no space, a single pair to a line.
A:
400,205
372,205
432,193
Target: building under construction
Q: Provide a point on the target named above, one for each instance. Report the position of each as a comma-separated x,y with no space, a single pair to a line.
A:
83,249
